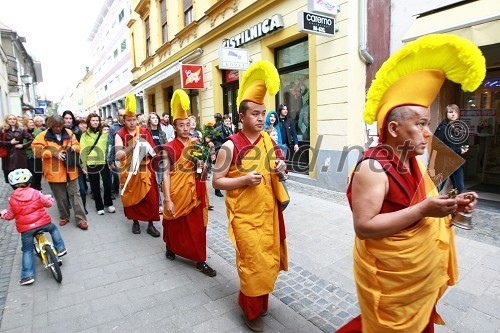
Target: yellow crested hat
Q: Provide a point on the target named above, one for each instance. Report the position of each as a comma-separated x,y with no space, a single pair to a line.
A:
414,75
179,105
261,77
130,105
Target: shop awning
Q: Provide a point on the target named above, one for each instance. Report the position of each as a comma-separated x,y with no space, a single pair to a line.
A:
478,21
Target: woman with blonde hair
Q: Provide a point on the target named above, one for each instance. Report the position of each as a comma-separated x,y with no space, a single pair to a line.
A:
13,137
39,123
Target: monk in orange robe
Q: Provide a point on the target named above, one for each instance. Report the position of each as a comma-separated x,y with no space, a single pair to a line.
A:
404,251
185,212
140,196
247,168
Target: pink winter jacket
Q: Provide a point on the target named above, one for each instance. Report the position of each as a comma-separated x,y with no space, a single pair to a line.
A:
27,206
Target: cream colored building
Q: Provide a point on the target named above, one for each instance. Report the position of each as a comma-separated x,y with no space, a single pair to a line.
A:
89,96
322,78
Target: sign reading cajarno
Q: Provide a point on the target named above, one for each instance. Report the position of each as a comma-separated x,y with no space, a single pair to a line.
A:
257,31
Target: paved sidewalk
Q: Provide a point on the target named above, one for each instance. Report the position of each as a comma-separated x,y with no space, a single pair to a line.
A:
117,281
8,246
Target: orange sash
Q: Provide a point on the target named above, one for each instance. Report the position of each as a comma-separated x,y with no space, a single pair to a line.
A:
400,278
182,187
254,226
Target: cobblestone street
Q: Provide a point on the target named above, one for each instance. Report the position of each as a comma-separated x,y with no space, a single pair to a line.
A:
8,245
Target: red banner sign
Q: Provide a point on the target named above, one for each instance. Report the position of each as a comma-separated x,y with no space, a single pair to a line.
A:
231,75
192,76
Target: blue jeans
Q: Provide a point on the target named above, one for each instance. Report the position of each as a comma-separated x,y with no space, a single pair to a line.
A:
82,184
28,261
457,180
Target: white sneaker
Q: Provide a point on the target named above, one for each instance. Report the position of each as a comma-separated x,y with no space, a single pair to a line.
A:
100,212
111,209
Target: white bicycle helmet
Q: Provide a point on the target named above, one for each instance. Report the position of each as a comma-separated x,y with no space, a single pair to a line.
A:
19,176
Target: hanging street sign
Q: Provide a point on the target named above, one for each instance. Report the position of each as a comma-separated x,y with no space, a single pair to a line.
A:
192,76
316,24
233,58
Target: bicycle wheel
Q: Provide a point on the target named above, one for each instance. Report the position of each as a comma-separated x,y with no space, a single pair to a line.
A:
37,247
53,263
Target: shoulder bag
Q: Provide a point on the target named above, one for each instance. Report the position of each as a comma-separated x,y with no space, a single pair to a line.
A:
4,151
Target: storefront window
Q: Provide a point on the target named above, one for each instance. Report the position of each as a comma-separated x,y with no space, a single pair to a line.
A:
293,54
481,114
294,91
293,67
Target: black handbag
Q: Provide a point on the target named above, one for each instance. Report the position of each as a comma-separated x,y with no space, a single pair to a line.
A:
72,159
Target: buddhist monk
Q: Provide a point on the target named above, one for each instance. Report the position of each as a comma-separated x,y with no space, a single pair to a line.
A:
185,212
404,250
248,167
139,190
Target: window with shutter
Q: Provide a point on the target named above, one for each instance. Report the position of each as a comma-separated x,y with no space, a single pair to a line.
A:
148,37
188,11
164,31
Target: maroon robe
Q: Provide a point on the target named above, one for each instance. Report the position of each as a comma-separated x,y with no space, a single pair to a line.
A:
187,235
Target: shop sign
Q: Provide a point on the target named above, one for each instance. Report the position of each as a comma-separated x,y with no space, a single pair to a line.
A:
192,76
255,32
480,122
233,58
325,7
39,111
316,24
232,75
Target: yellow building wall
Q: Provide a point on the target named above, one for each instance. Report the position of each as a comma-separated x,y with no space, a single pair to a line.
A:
337,74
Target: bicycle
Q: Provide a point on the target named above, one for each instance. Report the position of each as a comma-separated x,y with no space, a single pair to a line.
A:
48,253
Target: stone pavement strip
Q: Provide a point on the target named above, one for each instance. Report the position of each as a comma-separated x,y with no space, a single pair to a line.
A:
117,281
8,246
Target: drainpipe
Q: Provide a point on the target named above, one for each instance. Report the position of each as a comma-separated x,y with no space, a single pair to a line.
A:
363,52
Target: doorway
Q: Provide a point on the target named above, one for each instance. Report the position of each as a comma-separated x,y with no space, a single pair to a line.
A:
230,88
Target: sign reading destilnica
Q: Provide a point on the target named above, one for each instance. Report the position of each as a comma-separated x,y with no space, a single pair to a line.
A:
255,32
233,58
316,24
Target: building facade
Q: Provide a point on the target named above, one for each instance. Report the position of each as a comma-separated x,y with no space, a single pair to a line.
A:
89,95
22,74
323,78
111,56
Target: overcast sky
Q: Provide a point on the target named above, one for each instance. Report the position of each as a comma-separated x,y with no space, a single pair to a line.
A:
56,34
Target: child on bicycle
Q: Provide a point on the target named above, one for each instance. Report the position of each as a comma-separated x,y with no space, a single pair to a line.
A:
27,206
